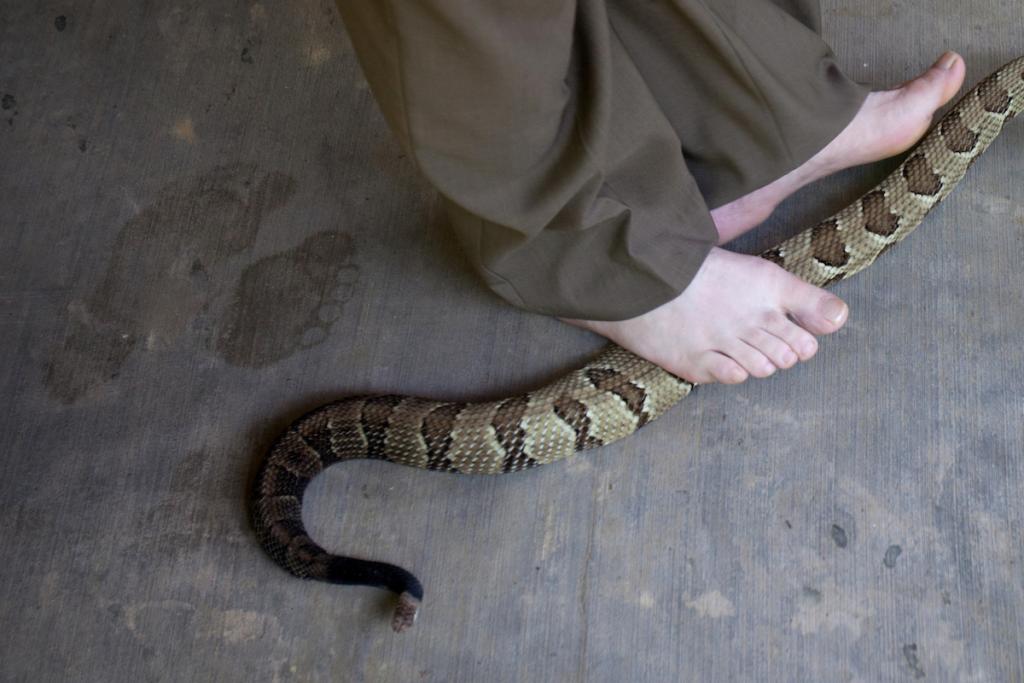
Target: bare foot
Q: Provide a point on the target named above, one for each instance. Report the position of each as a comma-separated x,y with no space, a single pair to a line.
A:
741,316
888,123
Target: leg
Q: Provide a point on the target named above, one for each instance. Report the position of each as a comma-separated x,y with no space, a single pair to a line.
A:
888,123
741,316
560,173
750,88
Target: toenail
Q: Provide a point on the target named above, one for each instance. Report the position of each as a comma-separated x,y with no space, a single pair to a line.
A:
834,310
789,358
948,60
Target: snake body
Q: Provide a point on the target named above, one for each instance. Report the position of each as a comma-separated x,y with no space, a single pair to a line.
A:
610,397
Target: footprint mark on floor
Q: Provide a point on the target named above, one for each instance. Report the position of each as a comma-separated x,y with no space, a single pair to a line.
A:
158,277
287,302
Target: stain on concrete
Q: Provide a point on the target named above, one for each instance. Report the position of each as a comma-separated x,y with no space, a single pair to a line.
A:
318,55
250,45
551,540
152,288
228,626
287,302
258,15
910,654
185,130
891,553
811,593
197,509
133,616
9,103
827,608
839,536
60,23
236,626
712,605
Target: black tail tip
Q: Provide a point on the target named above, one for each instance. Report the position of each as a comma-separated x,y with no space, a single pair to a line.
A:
405,613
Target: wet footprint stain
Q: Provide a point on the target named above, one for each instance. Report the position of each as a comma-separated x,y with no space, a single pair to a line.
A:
288,301
158,278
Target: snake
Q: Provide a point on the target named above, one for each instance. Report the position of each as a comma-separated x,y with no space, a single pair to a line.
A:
611,396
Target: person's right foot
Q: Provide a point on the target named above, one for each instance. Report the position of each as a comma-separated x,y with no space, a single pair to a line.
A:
740,316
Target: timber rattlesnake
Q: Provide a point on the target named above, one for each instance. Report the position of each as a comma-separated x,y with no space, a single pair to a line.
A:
610,397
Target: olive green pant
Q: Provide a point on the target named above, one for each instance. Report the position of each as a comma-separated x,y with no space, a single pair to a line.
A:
578,145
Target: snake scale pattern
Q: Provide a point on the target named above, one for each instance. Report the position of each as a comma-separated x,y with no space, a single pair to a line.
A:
610,397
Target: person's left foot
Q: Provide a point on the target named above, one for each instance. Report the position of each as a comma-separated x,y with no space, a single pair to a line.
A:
889,122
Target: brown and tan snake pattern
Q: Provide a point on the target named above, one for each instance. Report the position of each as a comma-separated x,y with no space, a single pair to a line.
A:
610,397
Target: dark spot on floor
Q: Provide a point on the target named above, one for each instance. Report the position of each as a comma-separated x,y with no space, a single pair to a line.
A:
891,553
910,654
839,536
812,594
83,144
150,293
247,51
60,23
789,525
287,302
9,103
115,611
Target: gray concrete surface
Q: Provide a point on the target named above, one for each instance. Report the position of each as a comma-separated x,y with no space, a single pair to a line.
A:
207,229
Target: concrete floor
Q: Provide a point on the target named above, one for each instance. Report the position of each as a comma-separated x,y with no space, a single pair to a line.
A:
207,229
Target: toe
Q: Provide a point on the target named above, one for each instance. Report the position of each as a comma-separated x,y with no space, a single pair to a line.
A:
822,313
723,369
750,359
797,338
939,83
775,349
